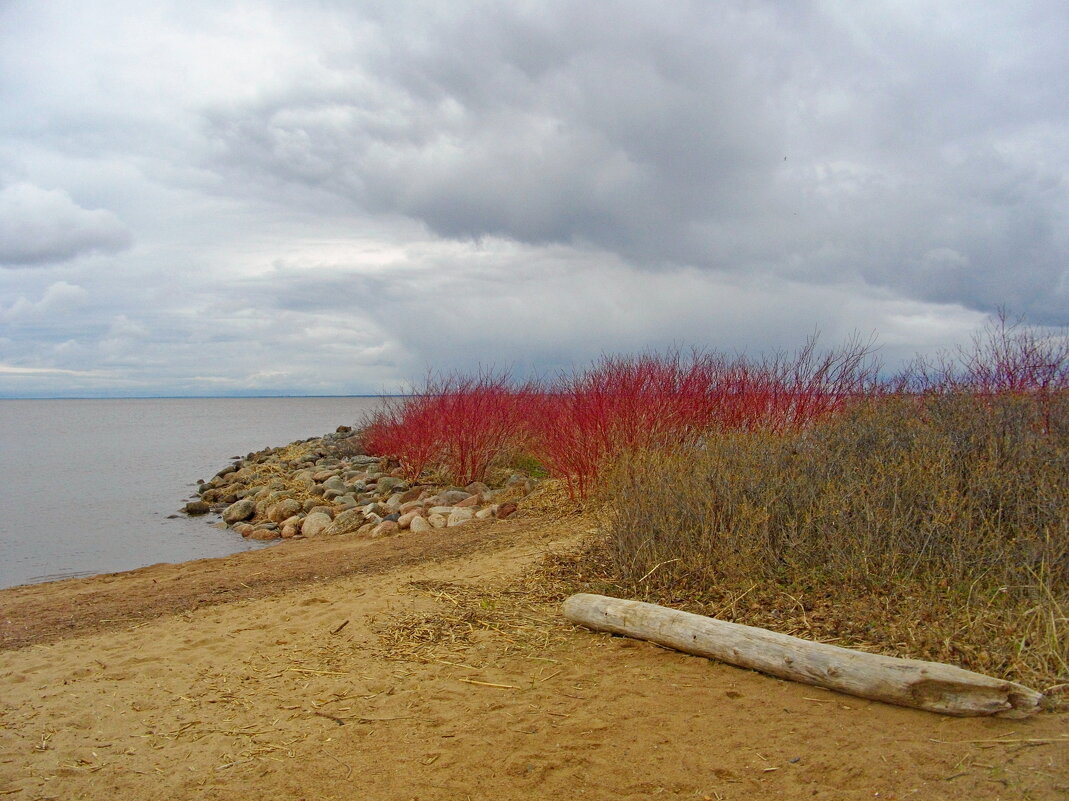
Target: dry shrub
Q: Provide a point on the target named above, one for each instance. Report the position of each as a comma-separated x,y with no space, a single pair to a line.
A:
951,512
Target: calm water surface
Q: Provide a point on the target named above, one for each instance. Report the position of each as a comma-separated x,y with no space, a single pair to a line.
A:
86,486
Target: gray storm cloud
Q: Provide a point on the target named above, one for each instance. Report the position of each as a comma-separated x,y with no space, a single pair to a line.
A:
723,136
330,197
44,226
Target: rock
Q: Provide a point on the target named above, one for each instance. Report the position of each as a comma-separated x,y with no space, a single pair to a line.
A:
197,508
388,484
283,510
263,534
316,523
393,503
452,497
405,520
460,514
290,530
506,509
412,494
470,501
330,493
408,507
445,511
487,513
437,520
346,502
384,529
334,483
343,429
346,522
365,529
310,504
244,529
226,471
393,517
242,510
419,524
476,488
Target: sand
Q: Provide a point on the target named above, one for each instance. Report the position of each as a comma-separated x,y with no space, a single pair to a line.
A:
429,667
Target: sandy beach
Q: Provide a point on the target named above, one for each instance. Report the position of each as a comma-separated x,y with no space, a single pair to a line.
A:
434,666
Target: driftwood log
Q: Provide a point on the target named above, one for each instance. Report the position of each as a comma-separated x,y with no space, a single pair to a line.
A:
924,685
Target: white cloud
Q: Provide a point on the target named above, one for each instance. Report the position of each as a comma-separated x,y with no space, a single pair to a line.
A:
59,298
44,226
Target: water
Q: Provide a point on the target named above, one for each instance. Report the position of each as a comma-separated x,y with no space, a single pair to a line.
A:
86,486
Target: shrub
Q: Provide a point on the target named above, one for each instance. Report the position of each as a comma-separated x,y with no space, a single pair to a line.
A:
454,423
955,505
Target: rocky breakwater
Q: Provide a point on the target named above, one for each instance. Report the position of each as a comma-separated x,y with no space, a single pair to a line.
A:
327,486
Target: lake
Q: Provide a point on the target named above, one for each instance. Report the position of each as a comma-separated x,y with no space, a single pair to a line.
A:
88,486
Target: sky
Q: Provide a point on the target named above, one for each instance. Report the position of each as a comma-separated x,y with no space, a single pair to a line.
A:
320,197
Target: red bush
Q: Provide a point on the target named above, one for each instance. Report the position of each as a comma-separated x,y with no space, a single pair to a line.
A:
457,423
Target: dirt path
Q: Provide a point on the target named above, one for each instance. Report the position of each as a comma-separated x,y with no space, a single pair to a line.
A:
430,669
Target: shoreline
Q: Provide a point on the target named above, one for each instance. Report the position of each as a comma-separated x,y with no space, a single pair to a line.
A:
49,611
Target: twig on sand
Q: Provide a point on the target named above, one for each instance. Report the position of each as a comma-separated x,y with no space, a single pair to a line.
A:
342,626
490,684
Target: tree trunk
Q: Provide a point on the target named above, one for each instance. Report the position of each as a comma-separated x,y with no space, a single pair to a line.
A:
924,685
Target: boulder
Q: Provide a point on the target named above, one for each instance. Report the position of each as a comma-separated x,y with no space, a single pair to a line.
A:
476,488
283,510
486,514
334,483
346,522
316,523
242,510
197,508
405,520
419,524
388,484
470,501
437,520
452,497
384,529
460,514
506,509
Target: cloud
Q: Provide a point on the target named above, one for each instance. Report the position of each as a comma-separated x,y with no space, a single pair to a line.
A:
44,226
331,197
728,137
59,298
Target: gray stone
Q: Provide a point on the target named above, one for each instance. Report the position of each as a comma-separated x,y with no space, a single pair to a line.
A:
346,522
452,497
283,510
459,515
388,484
437,521
242,510
334,483
419,524
316,523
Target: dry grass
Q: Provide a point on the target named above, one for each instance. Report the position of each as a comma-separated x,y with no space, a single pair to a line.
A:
935,528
